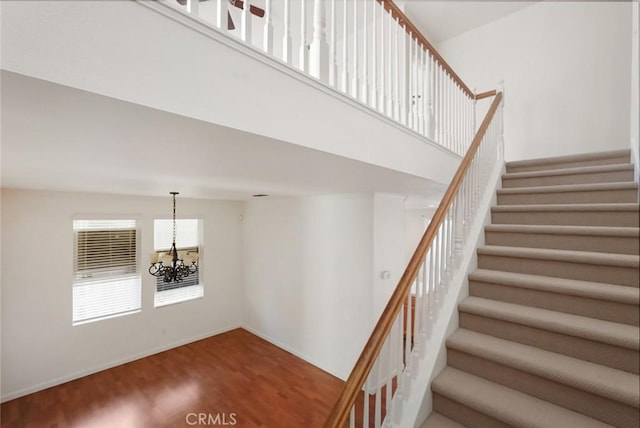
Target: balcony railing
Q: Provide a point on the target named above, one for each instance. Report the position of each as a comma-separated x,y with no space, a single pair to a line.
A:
367,49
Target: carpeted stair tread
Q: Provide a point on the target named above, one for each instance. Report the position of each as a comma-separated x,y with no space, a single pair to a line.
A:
581,157
617,334
564,188
586,257
573,287
569,171
601,207
436,420
604,381
631,232
506,405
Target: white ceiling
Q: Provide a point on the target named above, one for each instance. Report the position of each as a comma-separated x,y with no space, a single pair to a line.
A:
59,138
442,20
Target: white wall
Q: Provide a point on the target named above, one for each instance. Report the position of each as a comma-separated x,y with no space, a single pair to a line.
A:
312,268
40,347
416,221
308,264
388,248
566,70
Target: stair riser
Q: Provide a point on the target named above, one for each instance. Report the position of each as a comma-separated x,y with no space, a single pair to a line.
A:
568,218
571,164
576,305
554,180
595,406
463,414
598,243
620,275
593,197
577,347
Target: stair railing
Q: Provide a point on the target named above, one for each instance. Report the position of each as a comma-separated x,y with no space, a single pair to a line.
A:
367,49
379,382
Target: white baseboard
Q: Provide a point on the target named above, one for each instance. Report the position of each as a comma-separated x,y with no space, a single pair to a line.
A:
111,364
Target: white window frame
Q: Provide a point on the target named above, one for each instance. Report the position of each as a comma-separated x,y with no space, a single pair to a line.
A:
99,294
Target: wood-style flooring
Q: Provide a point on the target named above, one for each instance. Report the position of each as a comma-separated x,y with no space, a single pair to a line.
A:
232,377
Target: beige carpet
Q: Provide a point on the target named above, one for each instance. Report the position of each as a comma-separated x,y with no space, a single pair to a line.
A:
549,336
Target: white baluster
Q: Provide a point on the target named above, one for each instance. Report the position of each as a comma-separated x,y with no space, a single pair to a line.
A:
194,8
382,94
352,417
404,62
365,403
374,59
420,94
318,66
408,339
413,90
364,93
390,65
267,42
424,72
389,389
221,14
399,349
333,66
303,36
377,420
345,49
429,99
245,33
286,38
355,83
396,70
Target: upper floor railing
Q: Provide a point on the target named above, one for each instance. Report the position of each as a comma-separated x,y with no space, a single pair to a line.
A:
367,49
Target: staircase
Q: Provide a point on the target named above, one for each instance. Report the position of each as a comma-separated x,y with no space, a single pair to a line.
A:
549,335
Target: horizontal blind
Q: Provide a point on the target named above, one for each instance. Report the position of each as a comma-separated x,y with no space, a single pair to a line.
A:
186,233
106,281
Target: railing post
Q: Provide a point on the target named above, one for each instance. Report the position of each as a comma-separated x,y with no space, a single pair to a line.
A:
333,63
221,19
268,29
245,32
345,49
194,8
286,38
303,36
355,84
319,52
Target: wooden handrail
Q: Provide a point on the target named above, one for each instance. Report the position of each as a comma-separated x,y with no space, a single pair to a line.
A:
485,94
353,385
410,28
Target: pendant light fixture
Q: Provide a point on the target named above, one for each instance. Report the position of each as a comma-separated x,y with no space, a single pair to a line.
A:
175,270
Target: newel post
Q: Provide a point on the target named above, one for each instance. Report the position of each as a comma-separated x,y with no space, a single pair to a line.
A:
319,48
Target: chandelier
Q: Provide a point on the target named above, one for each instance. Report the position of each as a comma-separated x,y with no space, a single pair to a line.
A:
175,269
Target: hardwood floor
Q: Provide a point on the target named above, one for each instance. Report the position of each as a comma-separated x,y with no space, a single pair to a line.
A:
233,377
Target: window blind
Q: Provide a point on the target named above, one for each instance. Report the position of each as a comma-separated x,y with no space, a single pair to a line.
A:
106,280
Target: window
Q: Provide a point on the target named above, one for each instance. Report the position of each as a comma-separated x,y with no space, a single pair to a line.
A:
187,244
106,280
